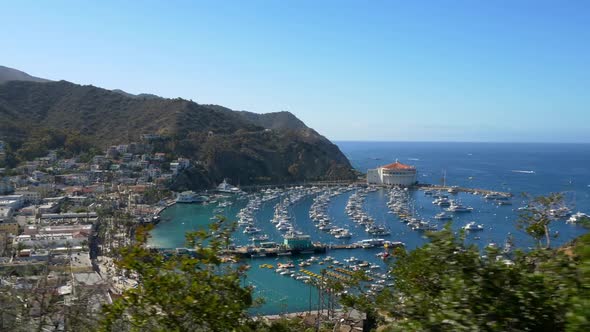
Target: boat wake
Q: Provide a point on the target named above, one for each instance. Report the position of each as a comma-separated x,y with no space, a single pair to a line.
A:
524,172
414,159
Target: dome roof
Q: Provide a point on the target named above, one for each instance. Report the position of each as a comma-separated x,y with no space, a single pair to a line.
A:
398,165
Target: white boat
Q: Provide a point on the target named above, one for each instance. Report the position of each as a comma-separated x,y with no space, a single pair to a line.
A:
262,237
371,243
376,230
343,235
456,207
442,202
225,187
251,230
443,216
472,226
576,217
496,196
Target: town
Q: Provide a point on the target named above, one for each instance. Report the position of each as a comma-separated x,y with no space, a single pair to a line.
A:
62,218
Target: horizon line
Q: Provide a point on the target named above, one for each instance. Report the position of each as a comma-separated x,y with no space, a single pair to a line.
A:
482,142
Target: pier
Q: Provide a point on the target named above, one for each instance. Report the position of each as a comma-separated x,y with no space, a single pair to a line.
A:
317,248
461,189
259,252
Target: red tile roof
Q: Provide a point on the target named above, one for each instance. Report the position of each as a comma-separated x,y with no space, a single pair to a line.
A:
398,165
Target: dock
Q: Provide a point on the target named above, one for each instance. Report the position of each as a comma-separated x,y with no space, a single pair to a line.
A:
318,248
462,189
259,252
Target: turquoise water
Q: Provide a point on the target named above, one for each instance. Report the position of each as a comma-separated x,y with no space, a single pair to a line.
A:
556,167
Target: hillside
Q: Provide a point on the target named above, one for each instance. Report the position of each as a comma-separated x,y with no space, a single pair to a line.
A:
244,147
275,120
10,74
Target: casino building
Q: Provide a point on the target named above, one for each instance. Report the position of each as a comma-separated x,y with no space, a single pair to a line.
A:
396,174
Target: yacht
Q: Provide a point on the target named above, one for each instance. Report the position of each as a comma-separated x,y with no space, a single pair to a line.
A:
225,187
472,226
442,202
496,196
443,216
377,230
456,207
423,226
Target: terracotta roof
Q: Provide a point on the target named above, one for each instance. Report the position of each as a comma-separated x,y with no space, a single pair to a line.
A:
398,165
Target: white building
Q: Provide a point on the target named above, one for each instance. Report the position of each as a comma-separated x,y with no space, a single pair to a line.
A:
30,196
13,201
396,174
179,165
175,167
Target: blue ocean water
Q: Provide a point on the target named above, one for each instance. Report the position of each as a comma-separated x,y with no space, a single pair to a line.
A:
537,169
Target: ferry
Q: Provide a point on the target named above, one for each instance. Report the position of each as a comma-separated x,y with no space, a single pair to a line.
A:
371,243
190,197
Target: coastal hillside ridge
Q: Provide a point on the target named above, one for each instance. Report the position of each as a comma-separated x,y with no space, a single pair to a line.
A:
11,74
243,147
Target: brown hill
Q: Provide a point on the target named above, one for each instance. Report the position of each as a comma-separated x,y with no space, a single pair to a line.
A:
242,146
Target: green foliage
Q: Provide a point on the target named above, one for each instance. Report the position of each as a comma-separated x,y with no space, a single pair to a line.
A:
181,292
449,286
86,156
41,140
536,219
153,195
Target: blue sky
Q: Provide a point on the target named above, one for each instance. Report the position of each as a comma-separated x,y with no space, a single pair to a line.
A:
353,70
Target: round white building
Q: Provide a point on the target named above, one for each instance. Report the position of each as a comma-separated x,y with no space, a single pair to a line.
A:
396,174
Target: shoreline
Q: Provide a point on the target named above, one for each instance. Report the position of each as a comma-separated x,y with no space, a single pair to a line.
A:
161,209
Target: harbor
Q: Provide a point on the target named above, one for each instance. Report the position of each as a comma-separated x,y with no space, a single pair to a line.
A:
321,215
290,235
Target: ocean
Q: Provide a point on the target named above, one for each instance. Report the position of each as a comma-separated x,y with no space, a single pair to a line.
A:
535,169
